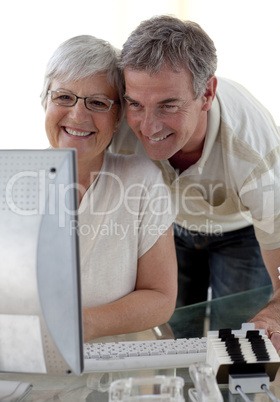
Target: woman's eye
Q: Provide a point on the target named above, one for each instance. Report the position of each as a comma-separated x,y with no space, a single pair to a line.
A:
97,103
64,97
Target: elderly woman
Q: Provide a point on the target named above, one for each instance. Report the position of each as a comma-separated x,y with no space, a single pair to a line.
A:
128,262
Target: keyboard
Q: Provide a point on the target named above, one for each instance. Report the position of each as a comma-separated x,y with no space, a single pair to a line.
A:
137,355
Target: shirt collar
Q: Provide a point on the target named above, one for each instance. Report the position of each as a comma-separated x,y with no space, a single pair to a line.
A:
213,124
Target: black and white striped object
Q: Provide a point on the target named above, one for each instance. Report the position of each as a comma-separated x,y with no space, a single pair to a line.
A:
245,351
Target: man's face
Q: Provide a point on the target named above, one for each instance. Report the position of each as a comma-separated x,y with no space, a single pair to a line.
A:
162,112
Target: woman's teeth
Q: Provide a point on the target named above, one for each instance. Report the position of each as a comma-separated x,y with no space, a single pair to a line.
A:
77,133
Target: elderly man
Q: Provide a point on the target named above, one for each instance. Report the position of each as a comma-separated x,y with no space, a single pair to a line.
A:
219,150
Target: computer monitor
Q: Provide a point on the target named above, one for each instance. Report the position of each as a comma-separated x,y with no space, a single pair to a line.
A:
40,298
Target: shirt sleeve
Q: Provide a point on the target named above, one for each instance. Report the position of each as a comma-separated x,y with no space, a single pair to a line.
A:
261,194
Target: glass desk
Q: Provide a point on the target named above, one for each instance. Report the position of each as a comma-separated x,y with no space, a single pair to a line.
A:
190,321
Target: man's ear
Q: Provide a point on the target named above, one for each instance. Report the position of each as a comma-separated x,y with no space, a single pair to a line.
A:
210,92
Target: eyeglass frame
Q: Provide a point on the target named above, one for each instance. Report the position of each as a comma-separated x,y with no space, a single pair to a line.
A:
112,102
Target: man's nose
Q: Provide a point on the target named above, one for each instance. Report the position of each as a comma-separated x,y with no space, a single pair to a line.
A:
150,124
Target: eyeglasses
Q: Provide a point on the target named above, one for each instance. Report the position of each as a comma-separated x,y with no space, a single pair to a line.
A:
91,102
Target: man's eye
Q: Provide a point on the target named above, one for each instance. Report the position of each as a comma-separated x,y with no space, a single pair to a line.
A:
132,105
170,108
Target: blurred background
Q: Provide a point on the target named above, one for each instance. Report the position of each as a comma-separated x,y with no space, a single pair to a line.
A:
246,34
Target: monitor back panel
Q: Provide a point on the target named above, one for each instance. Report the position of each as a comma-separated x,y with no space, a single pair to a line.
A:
40,299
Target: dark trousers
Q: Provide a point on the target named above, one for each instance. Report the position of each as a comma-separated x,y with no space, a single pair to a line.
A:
230,263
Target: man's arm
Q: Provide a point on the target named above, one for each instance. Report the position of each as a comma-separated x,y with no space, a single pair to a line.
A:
269,317
151,304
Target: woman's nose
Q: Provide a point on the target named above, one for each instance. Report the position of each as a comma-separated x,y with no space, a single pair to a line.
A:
79,112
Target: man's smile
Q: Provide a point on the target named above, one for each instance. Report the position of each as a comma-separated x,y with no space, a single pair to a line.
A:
159,138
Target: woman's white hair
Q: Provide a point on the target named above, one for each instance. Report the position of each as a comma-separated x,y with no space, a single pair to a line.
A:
80,57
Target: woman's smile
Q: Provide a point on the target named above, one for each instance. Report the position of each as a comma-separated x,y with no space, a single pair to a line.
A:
77,133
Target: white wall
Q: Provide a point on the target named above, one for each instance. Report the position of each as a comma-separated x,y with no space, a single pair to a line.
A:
247,37
246,33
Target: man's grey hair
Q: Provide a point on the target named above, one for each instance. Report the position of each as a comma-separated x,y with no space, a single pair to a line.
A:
80,57
167,40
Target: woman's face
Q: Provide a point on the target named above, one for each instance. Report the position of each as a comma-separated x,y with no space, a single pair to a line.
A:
90,132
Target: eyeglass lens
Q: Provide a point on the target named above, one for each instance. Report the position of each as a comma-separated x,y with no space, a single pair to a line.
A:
92,103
